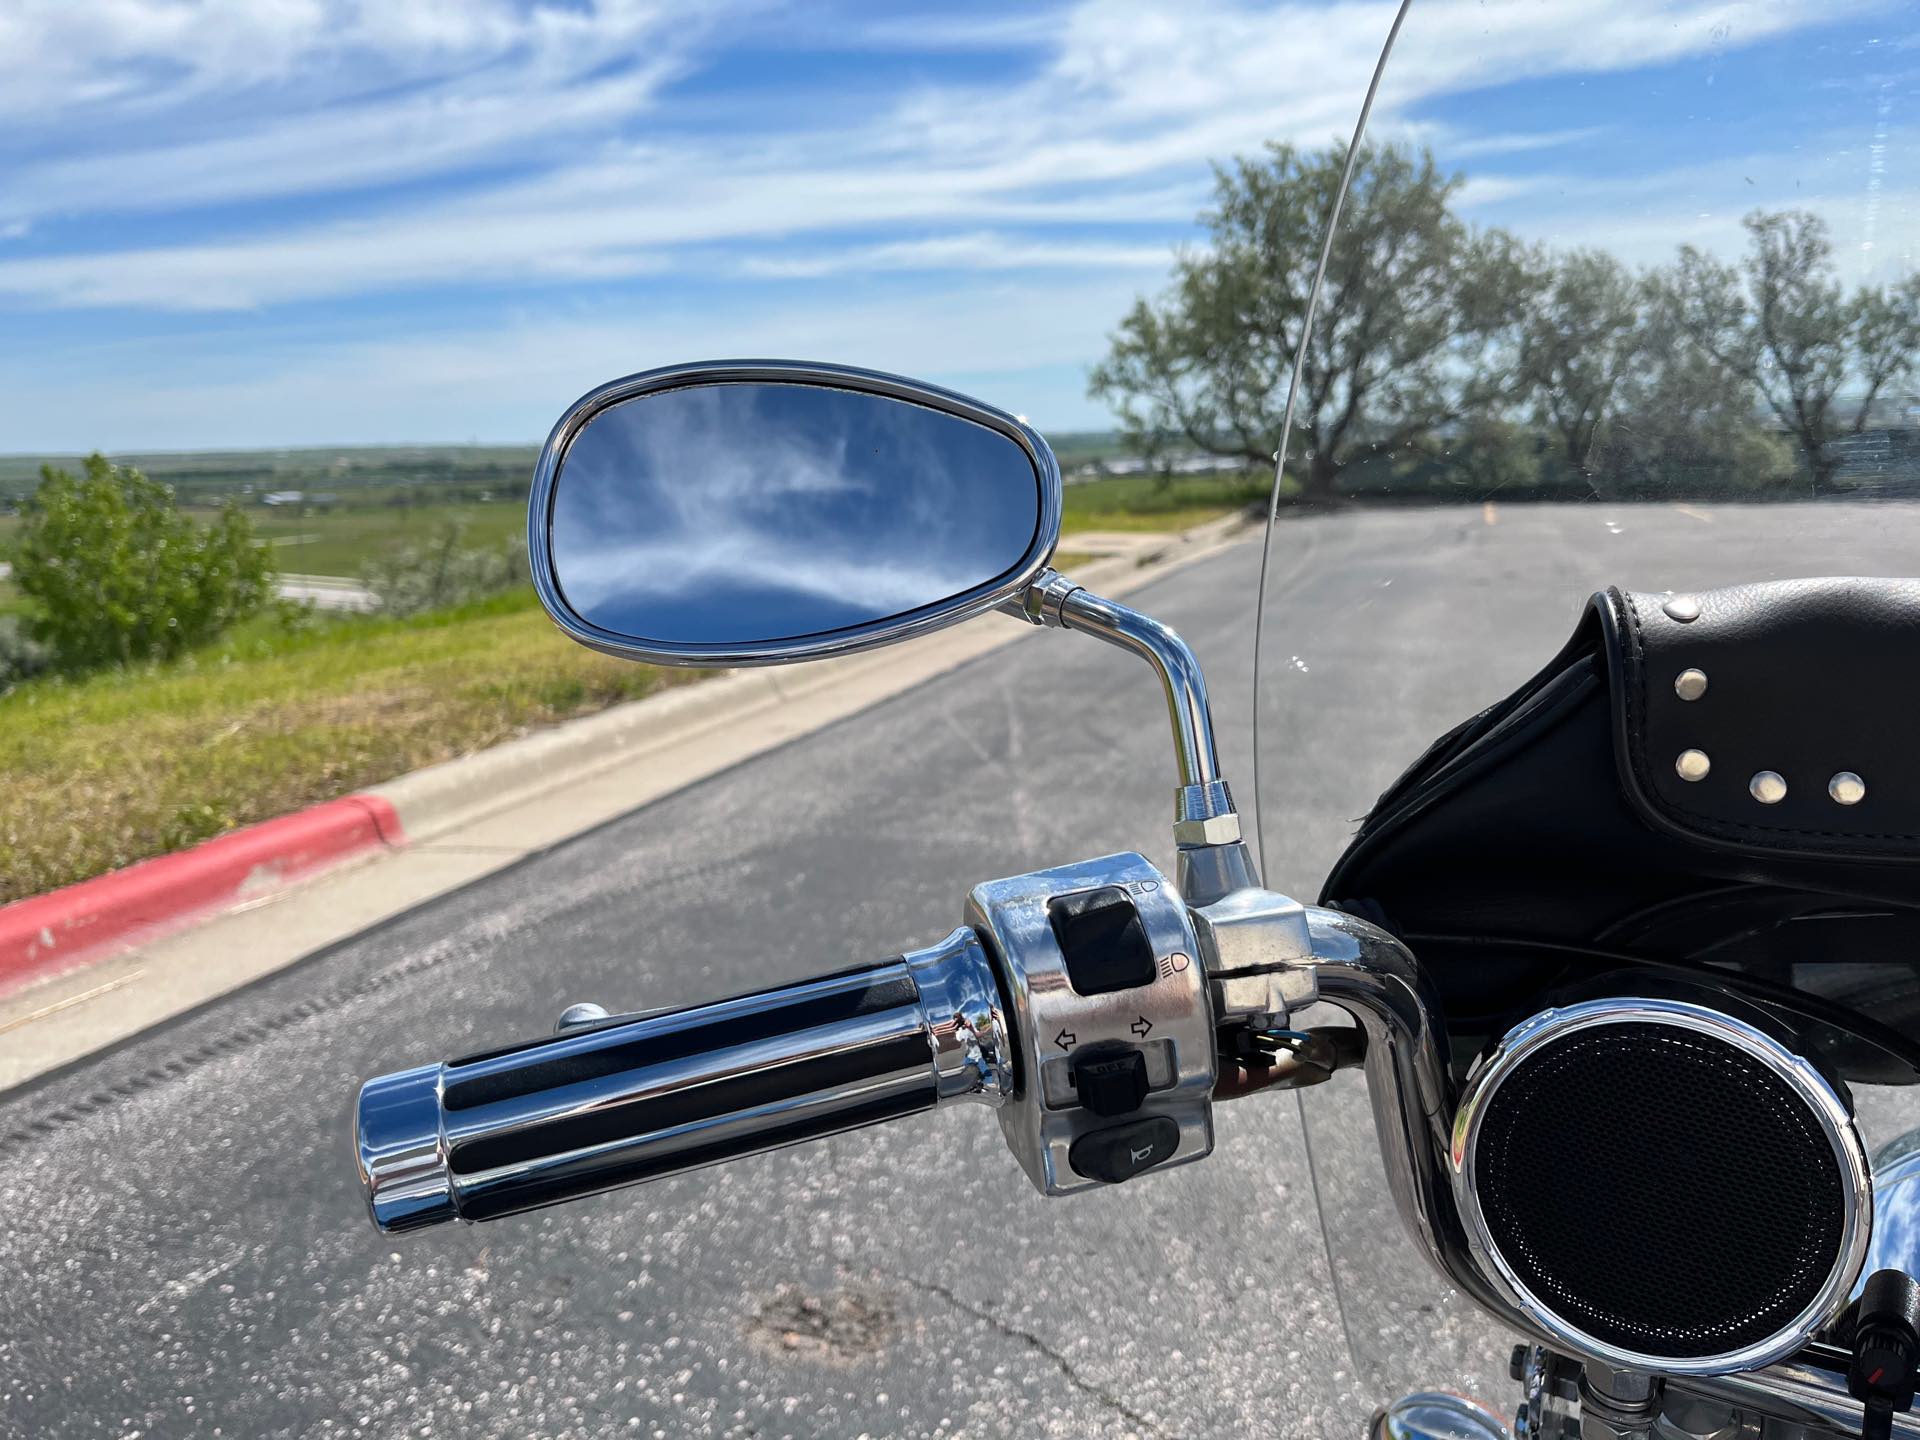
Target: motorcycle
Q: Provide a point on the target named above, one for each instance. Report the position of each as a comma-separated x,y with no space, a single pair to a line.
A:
1580,953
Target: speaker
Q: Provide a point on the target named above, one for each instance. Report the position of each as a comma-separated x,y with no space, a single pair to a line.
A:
1661,1186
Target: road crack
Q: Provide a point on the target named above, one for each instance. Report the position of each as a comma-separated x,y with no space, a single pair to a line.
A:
1040,1347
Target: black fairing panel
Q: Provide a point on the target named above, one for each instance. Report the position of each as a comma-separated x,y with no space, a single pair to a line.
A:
1549,840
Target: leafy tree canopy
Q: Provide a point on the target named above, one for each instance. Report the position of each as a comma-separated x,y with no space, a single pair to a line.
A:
120,574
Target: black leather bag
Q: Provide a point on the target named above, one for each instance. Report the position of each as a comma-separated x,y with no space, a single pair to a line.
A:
1559,835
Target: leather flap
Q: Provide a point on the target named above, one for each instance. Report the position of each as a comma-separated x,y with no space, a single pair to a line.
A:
1805,680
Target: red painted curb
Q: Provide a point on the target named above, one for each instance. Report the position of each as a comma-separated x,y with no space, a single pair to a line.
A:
63,929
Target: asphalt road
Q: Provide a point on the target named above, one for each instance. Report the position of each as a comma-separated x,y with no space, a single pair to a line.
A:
184,1249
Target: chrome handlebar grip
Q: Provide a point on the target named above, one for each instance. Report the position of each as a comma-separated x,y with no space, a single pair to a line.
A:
632,1099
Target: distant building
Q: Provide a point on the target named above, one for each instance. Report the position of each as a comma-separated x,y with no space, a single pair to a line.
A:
282,497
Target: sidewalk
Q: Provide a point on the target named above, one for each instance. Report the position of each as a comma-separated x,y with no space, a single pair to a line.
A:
470,817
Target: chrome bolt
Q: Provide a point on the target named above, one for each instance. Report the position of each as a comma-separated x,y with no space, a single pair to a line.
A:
1690,684
1683,608
1847,788
585,1013
1692,765
1769,787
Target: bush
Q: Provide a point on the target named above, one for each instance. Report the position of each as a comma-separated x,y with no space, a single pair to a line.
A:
118,574
20,657
442,572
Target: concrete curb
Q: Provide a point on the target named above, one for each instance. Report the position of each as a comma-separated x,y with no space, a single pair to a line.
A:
51,934
45,935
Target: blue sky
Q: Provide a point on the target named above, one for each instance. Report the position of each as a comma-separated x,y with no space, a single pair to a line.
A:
291,222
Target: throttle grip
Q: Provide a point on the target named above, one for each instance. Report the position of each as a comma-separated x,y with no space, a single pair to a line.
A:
630,1099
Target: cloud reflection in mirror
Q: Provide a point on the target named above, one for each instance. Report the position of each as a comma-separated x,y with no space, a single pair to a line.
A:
730,514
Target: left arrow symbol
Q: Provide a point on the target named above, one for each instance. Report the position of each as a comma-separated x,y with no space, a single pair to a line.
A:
1064,1039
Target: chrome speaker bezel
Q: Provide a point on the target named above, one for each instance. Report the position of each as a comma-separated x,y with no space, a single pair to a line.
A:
1813,1088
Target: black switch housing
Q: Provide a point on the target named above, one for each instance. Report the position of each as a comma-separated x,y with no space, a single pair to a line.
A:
1105,945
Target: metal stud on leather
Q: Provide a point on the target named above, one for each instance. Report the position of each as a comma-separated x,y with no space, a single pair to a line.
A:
1810,678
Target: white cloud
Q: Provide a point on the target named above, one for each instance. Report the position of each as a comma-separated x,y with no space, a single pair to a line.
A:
362,94
494,121
1646,216
1016,343
975,250
1139,91
991,188
67,56
922,32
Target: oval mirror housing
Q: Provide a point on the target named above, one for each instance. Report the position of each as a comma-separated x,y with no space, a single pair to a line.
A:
760,512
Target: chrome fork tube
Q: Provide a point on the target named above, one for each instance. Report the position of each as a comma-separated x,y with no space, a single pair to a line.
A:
1373,977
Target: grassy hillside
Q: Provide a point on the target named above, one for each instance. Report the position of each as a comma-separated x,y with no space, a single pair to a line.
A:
122,765
118,766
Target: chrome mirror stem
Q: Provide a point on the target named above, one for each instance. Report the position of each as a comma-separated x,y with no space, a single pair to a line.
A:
1203,816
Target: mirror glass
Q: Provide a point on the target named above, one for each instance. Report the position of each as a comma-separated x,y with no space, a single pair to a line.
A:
748,513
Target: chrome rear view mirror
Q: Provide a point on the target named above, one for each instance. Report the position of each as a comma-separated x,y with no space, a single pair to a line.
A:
762,512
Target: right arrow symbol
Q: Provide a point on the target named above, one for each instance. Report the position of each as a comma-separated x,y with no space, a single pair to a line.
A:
1141,1026
1064,1039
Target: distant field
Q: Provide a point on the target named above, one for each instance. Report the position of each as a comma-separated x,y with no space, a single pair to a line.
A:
341,467
338,469
338,541
1140,502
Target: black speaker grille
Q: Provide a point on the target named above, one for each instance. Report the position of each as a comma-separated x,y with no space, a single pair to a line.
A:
1659,1189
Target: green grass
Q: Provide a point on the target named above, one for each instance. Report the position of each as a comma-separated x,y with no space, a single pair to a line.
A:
1140,502
119,766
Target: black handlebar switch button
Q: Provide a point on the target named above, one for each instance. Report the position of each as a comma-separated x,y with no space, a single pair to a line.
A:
1110,1082
1123,1151
1102,939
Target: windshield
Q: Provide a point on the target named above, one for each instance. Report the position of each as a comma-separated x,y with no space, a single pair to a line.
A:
1652,323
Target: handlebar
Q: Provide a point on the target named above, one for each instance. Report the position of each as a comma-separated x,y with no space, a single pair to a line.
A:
632,1098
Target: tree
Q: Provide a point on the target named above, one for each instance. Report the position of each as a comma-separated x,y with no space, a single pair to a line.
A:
1681,421
1782,321
443,571
119,574
1408,340
1577,342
